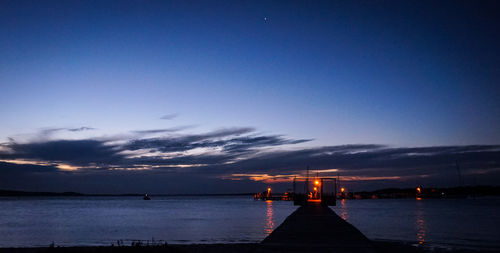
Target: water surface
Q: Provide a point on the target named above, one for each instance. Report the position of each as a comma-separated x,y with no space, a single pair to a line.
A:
104,220
67,221
450,223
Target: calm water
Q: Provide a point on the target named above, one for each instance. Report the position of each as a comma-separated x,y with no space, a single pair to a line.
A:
454,223
104,220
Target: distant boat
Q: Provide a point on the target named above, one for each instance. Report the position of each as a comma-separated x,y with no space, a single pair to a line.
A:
146,197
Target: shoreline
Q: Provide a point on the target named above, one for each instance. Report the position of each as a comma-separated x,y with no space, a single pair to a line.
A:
381,246
473,191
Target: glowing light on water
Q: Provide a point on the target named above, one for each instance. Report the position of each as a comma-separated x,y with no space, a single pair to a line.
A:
269,225
420,224
343,209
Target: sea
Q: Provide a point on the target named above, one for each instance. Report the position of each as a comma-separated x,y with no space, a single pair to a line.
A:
85,221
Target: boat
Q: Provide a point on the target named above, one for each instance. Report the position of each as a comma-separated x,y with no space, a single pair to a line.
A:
146,197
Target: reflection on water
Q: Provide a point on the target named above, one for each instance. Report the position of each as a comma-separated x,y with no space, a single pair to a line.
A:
420,223
343,209
98,221
268,228
447,223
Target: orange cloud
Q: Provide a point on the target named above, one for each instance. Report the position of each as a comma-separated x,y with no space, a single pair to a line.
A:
266,178
366,178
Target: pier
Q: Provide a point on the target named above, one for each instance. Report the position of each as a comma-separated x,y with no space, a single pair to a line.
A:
315,228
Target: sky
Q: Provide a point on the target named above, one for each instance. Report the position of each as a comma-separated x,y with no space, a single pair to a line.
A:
235,96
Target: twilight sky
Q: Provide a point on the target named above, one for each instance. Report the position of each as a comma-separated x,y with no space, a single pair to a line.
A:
225,96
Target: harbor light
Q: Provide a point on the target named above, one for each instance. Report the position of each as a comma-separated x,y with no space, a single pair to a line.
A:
316,182
269,189
315,188
342,189
419,190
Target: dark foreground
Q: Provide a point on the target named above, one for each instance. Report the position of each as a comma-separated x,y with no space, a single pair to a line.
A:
312,228
380,247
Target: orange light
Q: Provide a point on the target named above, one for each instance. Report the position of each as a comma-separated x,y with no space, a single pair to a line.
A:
269,189
314,200
342,189
316,182
315,189
419,190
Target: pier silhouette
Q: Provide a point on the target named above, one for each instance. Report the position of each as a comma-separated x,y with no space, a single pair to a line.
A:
315,228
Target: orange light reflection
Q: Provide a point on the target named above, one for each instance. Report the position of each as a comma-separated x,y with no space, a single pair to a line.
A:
269,225
343,209
420,224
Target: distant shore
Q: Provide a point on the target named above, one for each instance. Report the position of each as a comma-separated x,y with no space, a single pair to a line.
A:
380,246
387,193
11,193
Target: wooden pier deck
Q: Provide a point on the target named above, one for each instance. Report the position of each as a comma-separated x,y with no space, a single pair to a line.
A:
315,228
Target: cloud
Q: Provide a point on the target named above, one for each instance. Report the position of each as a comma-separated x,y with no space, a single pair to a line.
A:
79,129
163,130
187,142
241,154
6,169
49,132
375,162
75,152
170,116
212,148
243,144
375,157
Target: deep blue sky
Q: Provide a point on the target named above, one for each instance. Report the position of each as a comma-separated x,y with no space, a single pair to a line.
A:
397,73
